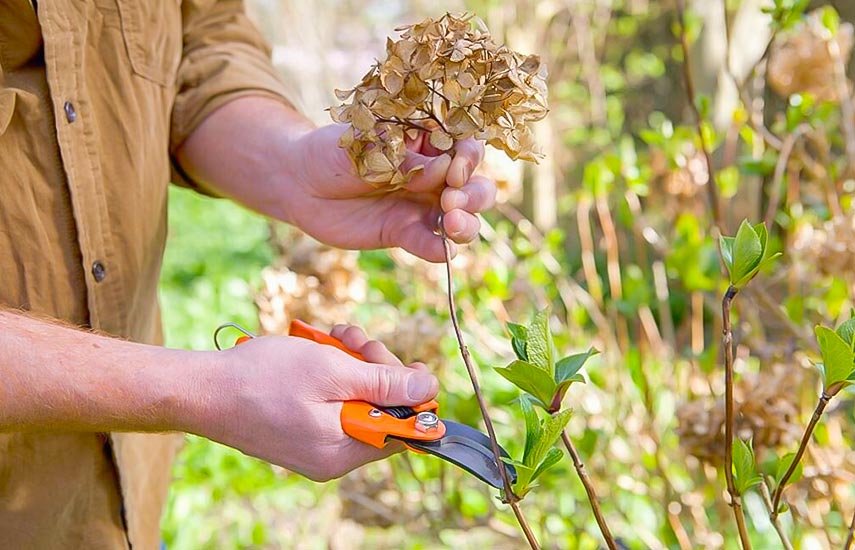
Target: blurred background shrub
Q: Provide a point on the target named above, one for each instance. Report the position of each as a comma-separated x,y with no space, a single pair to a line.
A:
616,231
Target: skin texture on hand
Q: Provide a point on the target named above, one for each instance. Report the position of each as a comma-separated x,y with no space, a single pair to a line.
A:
288,412
263,154
276,398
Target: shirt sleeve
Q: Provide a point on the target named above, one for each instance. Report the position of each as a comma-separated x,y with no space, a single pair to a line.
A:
224,57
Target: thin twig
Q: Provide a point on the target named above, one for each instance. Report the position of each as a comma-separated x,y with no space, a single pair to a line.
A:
508,493
589,489
589,265
569,290
851,535
727,342
529,536
779,490
586,49
778,177
612,267
712,187
847,113
782,534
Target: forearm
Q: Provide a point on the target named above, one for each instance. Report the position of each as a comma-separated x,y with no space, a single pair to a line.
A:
243,151
54,377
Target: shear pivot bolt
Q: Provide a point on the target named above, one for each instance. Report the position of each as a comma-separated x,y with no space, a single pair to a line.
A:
427,422
374,413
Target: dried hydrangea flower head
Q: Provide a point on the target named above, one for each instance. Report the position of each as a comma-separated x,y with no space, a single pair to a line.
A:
446,77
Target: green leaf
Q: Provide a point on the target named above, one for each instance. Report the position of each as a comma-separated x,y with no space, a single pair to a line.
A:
531,379
524,477
781,468
519,349
726,246
550,431
532,426
745,475
846,331
539,347
837,356
553,456
747,253
567,367
830,19
518,331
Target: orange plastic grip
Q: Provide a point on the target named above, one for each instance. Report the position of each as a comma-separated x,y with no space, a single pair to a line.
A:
305,330
356,418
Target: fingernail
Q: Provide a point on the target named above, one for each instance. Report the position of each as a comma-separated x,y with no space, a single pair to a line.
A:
421,386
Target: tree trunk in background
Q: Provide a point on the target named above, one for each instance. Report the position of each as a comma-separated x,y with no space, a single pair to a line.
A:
749,35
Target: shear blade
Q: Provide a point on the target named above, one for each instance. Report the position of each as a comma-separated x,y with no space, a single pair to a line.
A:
469,449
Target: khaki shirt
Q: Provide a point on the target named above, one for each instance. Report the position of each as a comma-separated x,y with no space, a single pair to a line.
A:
94,96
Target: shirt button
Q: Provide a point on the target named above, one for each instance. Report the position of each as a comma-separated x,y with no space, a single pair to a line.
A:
99,271
70,113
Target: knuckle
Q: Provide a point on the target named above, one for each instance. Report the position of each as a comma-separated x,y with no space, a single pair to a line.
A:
384,384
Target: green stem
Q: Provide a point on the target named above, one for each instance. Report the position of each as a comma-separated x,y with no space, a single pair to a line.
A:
779,490
509,496
727,341
589,489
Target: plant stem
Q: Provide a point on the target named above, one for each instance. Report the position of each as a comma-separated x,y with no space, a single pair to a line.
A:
779,490
767,500
851,534
529,536
727,342
589,489
509,496
712,187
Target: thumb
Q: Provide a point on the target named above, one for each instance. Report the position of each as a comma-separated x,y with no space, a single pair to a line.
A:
389,386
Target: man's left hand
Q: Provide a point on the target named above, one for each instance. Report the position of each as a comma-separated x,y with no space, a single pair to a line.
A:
333,205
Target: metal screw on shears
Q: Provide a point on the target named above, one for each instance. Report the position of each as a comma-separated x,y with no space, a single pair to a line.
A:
427,421
374,413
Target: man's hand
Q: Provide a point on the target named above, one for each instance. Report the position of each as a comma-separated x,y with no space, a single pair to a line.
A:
266,156
281,400
332,204
276,398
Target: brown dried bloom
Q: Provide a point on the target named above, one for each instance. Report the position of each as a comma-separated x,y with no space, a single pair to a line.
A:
769,417
446,78
801,62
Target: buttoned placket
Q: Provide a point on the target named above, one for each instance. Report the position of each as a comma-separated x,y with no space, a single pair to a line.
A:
64,35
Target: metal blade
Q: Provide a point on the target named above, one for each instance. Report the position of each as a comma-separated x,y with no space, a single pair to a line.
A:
469,449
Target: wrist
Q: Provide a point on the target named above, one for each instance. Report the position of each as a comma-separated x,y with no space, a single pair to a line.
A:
205,397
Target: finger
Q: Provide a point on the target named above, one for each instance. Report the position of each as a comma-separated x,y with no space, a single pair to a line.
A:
412,226
426,244
353,337
468,154
377,352
419,366
384,385
461,226
476,196
360,454
433,174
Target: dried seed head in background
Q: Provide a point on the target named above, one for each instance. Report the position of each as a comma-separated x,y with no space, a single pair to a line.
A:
801,63
447,78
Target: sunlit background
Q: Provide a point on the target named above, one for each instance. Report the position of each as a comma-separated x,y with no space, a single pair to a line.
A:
613,231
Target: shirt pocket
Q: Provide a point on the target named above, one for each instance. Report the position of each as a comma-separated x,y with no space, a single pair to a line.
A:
152,35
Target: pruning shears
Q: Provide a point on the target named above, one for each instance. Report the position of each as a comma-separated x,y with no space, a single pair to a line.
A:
419,428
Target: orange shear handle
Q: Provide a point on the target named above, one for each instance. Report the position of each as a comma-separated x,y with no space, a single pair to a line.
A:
359,419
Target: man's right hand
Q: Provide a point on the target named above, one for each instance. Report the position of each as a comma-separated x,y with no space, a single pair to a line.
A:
276,397
279,399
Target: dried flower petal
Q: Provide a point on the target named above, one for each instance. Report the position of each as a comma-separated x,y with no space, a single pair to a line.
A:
443,77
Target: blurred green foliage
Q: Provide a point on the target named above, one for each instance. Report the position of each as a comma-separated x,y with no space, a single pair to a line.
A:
629,265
